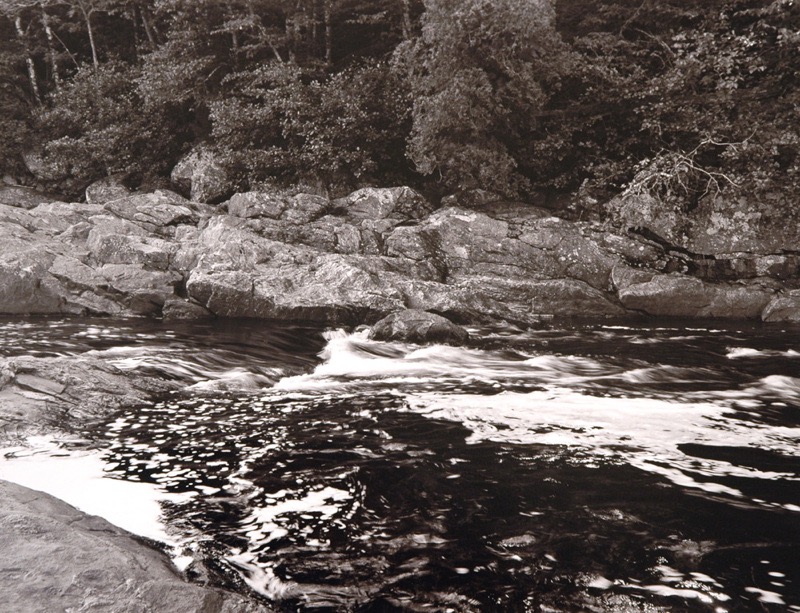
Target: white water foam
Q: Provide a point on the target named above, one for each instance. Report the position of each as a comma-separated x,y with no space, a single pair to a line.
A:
78,478
352,360
748,352
572,406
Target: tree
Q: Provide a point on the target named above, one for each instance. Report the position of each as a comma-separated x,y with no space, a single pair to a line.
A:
286,124
479,73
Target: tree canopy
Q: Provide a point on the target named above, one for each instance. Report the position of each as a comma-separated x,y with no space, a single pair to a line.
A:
677,97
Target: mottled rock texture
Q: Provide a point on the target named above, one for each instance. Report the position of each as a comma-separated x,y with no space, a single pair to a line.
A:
356,259
421,327
56,558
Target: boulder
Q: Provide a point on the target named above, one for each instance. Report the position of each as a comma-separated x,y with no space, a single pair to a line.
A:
24,197
677,295
297,209
44,393
23,266
155,212
643,212
331,289
106,189
56,558
202,177
398,203
179,308
783,307
471,199
251,205
420,327
142,291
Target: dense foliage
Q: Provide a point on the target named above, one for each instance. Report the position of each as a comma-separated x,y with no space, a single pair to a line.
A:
676,98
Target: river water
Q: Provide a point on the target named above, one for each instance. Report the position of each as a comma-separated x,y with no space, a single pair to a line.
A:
574,467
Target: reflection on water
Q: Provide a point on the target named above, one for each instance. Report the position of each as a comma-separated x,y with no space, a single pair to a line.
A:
585,467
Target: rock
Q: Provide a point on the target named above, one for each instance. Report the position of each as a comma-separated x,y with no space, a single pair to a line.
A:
332,289
201,176
22,269
471,199
143,291
783,307
42,168
153,212
151,253
623,276
24,197
106,189
683,296
642,211
400,203
44,393
56,558
297,209
177,308
420,327
251,205
303,208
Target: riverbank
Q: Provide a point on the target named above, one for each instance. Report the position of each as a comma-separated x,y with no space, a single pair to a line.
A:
354,260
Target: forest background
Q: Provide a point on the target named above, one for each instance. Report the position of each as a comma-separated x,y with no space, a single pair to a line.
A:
529,99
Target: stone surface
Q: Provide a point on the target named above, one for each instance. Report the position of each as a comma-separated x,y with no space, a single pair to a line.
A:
23,197
682,296
373,203
106,189
783,307
56,558
420,327
201,176
178,308
153,212
358,259
42,394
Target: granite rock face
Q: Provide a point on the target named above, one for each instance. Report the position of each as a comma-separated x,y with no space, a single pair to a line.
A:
56,558
357,259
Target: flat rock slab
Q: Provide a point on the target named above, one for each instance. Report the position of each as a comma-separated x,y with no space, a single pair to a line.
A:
56,558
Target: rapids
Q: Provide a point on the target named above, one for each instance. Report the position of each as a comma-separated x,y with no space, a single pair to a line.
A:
572,467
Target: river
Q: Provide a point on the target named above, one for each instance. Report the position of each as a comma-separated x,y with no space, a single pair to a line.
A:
574,467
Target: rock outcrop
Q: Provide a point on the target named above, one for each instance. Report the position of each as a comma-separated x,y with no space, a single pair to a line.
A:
40,394
356,259
56,558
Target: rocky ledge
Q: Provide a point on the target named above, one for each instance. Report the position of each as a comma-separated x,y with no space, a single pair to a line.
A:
56,558
356,259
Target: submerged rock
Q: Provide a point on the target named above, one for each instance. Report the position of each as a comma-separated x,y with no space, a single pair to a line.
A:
420,327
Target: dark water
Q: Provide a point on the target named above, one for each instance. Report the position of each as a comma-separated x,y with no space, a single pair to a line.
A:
571,468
